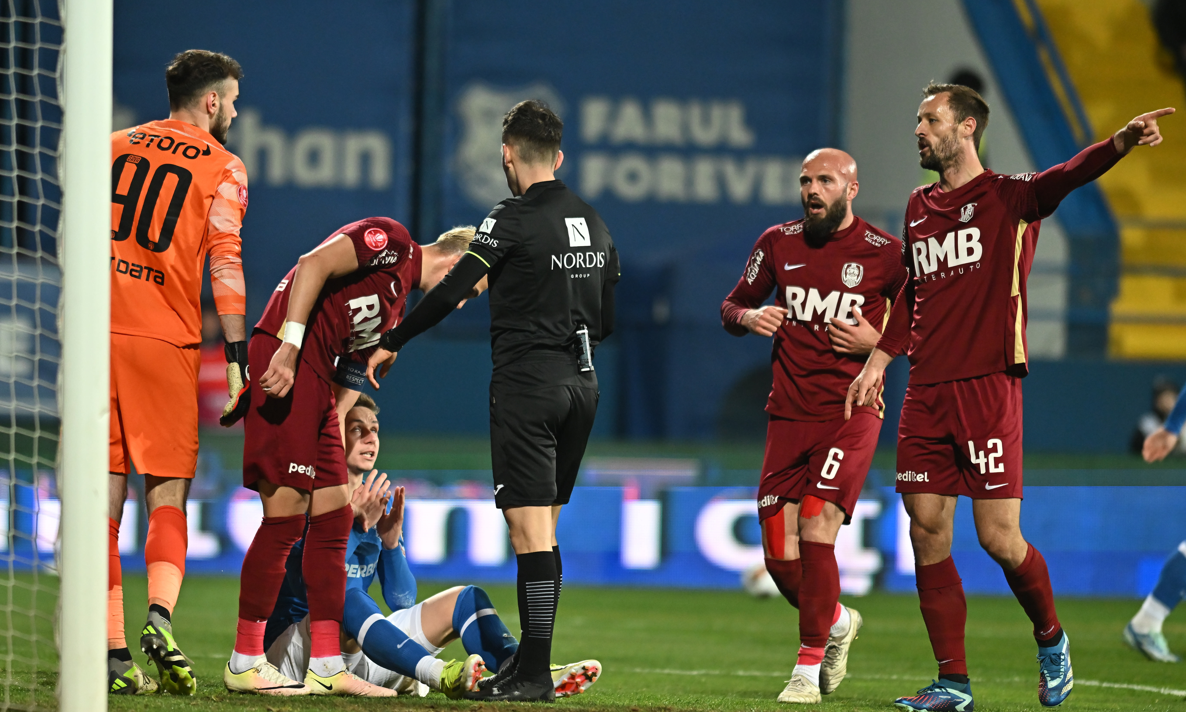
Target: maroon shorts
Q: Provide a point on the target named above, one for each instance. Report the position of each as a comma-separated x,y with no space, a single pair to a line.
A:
293,441
962,437
827,459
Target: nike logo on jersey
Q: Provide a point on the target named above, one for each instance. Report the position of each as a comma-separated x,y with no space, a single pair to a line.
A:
916,222
496,489
788,266
993,487
821,485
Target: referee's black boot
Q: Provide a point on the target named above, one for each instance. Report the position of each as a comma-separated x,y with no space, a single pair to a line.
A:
517,688
504,673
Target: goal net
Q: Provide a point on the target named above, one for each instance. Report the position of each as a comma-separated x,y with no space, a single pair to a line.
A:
30,216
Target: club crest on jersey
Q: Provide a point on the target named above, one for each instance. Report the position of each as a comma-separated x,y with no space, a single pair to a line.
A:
852,274
966,212
243,195
375,238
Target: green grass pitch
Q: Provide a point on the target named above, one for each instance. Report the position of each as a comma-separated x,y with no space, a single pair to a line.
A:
721,650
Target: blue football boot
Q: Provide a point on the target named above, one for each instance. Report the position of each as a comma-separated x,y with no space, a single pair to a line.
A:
940,695
1153,645
1055,678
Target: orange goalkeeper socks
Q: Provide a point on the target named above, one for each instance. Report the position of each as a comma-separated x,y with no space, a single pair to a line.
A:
115,590
164,555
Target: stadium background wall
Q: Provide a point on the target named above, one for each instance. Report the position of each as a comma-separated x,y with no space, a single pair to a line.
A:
686,140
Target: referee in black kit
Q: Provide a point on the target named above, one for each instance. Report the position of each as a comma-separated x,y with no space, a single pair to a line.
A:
552,268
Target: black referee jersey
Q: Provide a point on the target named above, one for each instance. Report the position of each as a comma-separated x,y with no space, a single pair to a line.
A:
552,268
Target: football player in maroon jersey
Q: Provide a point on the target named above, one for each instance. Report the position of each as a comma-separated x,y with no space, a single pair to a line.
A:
327,313
970,241
833,277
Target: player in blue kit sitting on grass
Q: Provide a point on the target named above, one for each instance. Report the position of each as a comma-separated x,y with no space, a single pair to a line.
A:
398,651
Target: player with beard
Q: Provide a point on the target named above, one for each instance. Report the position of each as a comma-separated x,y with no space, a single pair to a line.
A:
177,196
833,276
970,241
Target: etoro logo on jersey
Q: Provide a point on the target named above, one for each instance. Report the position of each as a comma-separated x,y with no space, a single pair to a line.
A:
958,248
364,317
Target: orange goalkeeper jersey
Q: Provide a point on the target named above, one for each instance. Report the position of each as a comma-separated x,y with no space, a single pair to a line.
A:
176,196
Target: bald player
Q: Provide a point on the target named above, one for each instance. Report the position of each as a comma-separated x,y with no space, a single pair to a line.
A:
833,276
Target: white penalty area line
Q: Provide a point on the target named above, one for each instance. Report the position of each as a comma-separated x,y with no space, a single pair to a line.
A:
757,673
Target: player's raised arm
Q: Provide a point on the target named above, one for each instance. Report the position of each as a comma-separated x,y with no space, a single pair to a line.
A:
1141,131
1056,182
335,258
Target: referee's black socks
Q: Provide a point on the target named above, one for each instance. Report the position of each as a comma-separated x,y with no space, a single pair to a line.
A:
559,577
539,593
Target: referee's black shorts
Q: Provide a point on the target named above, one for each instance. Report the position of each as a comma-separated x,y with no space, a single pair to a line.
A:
541,414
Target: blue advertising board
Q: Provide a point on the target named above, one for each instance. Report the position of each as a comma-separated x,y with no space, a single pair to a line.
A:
681,537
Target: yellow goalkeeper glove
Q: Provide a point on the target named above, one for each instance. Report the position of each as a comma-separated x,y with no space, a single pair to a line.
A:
237,384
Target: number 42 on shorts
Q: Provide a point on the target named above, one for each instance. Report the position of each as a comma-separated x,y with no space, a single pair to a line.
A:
987,458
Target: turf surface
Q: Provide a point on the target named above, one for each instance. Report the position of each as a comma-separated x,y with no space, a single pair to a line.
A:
723,650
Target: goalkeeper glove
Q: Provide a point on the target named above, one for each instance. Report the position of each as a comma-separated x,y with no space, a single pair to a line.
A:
237,383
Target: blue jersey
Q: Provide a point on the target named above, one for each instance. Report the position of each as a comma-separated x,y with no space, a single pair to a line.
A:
1176,420
365,557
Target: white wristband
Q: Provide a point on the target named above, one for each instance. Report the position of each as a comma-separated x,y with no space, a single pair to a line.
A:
294,333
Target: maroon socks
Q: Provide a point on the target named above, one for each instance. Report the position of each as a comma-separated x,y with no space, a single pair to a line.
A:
1031,584
261,576
945,612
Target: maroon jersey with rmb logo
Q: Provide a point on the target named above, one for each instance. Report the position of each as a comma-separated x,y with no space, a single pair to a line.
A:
969,252
859,266
352,312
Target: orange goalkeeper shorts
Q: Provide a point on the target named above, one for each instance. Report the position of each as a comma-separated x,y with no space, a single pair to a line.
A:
154,407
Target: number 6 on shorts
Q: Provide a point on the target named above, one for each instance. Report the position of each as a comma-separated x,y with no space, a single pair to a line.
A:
832,464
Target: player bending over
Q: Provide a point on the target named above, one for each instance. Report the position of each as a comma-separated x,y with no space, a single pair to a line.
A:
970,241
159,242
1143,632
399,651
833,276
332,306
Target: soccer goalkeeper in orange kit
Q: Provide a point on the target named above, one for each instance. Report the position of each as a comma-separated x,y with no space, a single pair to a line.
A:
177,196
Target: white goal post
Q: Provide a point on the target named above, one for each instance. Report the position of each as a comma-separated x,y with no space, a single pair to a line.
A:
85,331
